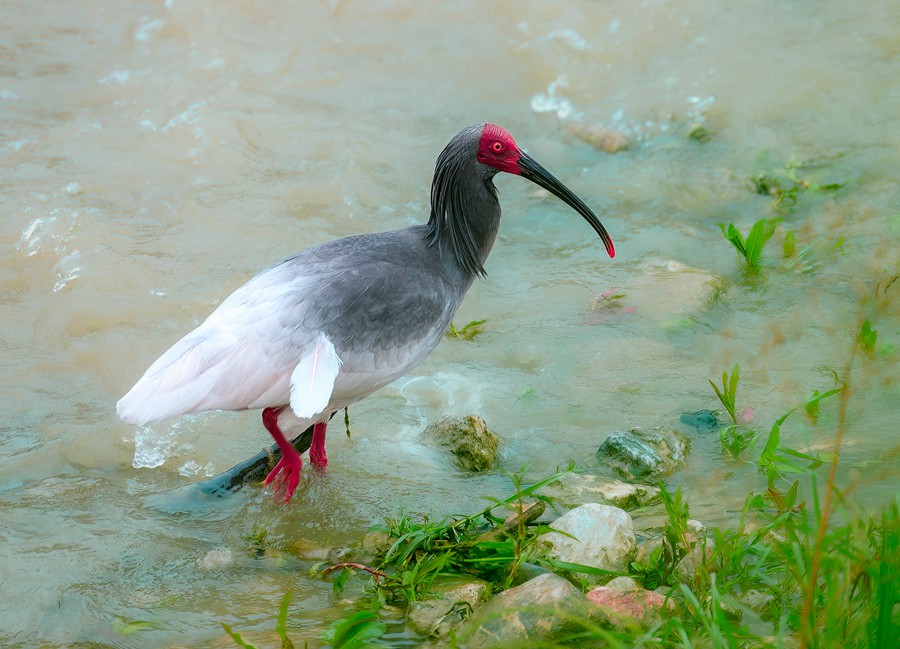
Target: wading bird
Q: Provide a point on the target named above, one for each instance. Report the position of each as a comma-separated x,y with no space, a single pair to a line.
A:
337,321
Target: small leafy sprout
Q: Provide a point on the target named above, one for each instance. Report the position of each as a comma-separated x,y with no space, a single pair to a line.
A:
751,248
659,566
258,540
789,247
867,336
728,391
735,437
468,332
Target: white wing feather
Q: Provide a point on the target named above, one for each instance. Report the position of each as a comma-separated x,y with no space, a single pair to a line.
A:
312,381
240,357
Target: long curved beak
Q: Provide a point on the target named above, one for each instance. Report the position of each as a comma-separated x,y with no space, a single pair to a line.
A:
534,172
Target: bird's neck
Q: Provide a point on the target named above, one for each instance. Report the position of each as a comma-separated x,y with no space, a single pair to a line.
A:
465,217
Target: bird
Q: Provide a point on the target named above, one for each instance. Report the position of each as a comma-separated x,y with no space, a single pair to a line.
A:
337,321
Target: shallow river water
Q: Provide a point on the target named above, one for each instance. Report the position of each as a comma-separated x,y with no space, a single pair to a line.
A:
155,155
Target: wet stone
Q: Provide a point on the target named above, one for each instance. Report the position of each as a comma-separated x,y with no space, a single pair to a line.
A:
600,137
447,607
703,421
540,609
603,538
468,438
574,489
644,455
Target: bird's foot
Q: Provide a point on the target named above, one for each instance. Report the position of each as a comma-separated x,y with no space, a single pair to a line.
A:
285,476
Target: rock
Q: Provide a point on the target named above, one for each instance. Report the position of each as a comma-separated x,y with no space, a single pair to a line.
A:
468,438
600,137
622,584
604,537
759,602
670,293
574,489
644,455
527,571
450,604
625,607
699,545
540,609
372,546
646,549
215,559
703,421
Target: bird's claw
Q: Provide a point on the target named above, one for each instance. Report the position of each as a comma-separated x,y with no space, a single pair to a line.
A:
285,477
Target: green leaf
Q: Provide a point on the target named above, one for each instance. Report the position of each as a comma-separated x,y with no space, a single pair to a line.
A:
127,627
357,630
237,637
867,336
789,247
733,235
760,233
281,622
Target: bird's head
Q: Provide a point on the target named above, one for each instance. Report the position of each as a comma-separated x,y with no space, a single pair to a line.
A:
498,150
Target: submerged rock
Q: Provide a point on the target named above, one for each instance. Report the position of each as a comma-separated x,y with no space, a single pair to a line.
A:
703,421
603,537
642,455
574,489
468,438
215,559
600,137
449,605
540,609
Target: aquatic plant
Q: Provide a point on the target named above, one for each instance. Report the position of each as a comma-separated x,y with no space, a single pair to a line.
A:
467,332
784,183
280,627
750,248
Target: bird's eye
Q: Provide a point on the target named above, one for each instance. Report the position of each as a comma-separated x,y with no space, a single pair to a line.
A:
497,147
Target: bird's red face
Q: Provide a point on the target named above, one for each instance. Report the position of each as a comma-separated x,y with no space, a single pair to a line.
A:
498,149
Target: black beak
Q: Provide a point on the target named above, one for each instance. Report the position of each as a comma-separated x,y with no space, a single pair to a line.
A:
534,172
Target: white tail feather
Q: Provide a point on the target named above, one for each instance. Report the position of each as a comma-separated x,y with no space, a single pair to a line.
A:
312,381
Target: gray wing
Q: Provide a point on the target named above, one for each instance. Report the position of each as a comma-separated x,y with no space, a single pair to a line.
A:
377,298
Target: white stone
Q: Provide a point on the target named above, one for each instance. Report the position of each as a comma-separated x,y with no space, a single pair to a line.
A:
604,537
216,559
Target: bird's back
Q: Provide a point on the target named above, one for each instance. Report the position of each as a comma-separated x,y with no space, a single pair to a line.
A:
383,300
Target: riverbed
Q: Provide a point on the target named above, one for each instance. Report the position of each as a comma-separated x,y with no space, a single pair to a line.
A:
155,155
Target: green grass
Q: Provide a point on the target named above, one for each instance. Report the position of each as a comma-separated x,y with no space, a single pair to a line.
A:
803,566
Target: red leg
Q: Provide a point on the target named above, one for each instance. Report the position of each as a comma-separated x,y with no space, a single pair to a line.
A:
287,472
317,447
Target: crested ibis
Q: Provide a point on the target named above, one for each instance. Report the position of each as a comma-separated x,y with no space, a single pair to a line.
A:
335,322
